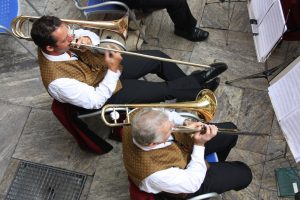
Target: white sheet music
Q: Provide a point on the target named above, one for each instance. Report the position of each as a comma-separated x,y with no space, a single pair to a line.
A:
285,98
269,28
285,93
291,129
259,8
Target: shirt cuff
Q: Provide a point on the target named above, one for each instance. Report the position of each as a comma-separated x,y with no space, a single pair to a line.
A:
114,74
198,152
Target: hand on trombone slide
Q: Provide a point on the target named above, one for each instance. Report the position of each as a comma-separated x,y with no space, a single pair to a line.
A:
194,127
201,132
204,133
113,60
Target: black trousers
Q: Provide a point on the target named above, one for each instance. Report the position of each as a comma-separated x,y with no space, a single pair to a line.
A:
178,10
224,175
176,85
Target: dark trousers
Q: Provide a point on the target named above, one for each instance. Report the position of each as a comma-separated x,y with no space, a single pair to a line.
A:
176,85
224,175
178,10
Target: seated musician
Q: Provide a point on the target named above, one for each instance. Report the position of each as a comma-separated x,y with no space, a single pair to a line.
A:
90,80
179,12
159,161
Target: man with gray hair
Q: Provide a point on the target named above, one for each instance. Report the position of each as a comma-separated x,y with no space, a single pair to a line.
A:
161,162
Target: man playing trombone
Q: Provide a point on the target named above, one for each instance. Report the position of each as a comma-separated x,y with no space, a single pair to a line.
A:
160,162
90,80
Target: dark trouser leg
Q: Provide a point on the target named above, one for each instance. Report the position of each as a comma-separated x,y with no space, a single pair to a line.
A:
221,144
178,10
225,176
136,67
138,91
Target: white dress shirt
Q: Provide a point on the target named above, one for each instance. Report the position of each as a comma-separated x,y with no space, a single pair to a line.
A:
175,180
67,90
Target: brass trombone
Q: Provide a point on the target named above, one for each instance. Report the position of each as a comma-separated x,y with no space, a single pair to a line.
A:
205,106
118,26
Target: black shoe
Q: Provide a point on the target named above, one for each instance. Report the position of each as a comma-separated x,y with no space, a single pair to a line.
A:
195,35
215,70
212,85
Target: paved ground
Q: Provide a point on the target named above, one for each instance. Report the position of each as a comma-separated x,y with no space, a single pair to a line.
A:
30,132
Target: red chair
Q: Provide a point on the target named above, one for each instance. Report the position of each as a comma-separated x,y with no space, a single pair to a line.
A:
137,194
86,139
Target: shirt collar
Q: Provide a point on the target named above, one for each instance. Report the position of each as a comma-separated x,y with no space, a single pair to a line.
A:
63,57
158,146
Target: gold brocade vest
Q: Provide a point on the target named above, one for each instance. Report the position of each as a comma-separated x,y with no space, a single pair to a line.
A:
141,164
90,68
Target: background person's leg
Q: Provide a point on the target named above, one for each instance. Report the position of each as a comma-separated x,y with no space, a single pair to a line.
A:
178,10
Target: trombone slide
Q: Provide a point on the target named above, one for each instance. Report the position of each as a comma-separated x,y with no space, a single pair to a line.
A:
231,131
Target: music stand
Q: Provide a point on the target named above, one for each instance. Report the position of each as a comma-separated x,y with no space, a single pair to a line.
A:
267,72
264,74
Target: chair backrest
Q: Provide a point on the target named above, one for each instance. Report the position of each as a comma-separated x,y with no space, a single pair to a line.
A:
100,6
212,157
137,194
9,9
85,138
107,8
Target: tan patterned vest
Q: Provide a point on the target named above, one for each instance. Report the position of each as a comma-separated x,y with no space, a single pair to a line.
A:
141,164
90,68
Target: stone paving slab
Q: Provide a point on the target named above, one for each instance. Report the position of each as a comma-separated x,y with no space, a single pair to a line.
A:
256,115
26,9
229,104
8,176
24,88
12,122
240,18
63,9
45,141
110,179
215,15
239,65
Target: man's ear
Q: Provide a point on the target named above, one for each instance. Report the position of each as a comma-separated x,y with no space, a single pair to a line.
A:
49,48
